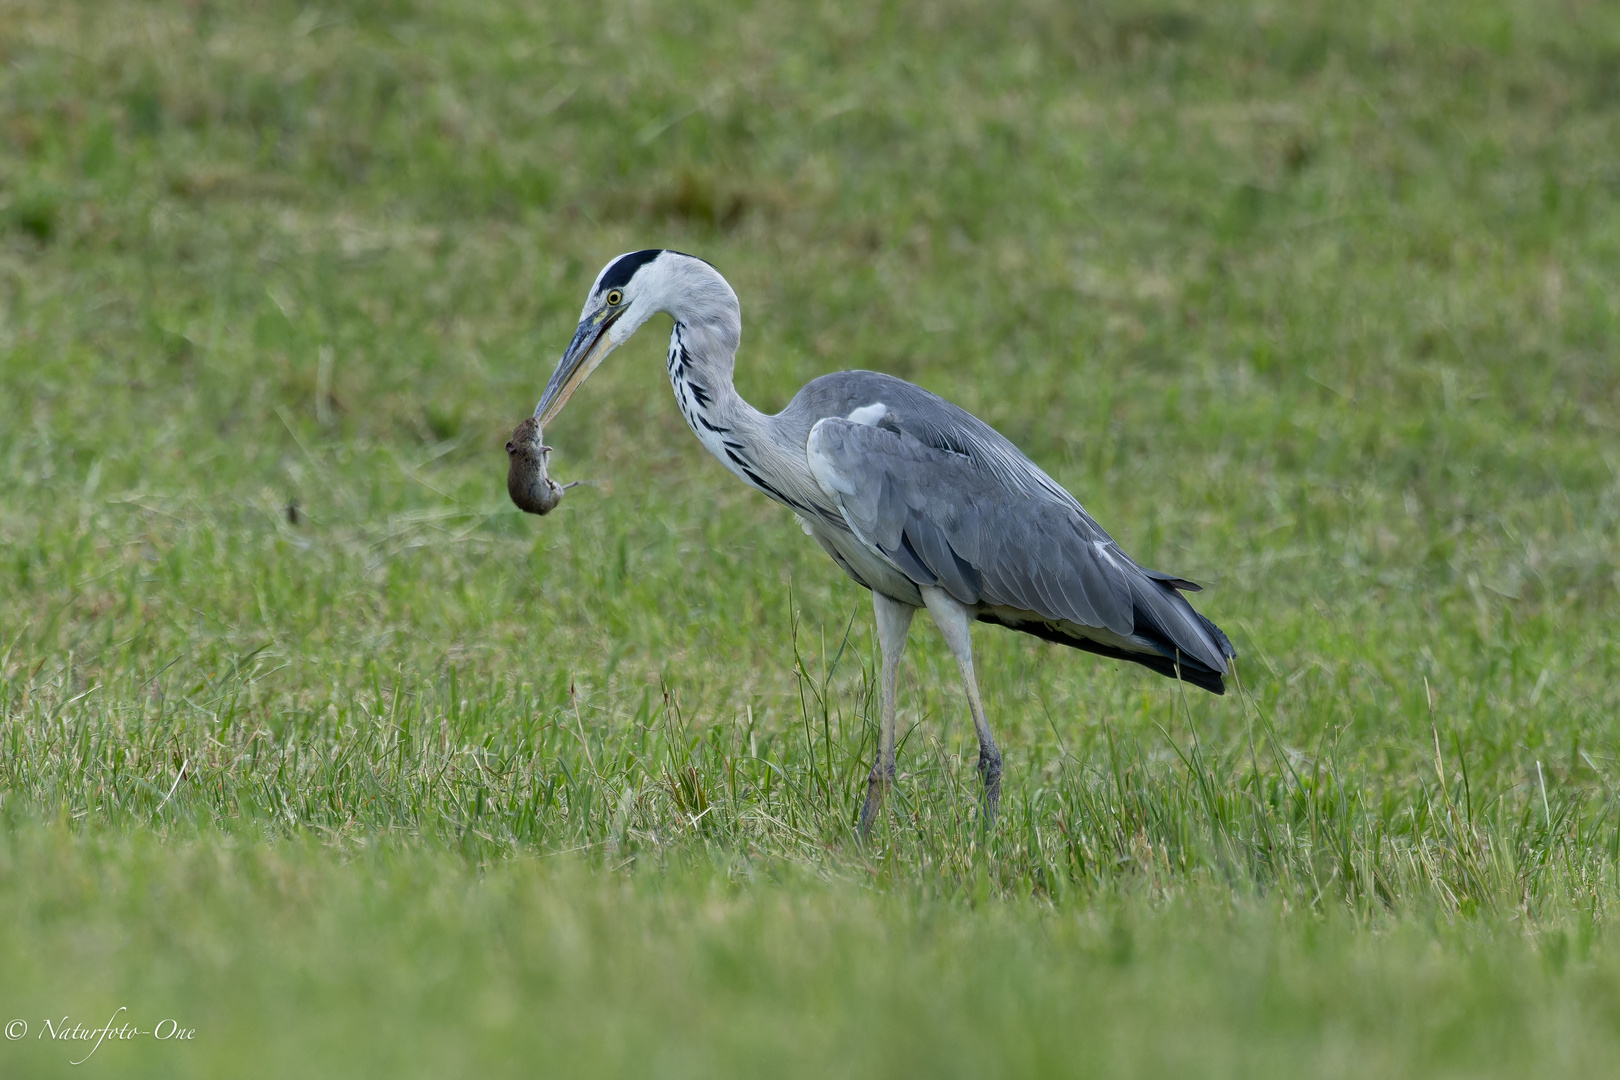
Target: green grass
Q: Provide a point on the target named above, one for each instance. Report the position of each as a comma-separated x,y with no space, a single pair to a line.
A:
310,740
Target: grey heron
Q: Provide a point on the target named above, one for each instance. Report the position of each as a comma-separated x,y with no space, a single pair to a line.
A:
919,501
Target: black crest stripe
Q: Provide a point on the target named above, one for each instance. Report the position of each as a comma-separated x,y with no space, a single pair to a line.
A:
624,268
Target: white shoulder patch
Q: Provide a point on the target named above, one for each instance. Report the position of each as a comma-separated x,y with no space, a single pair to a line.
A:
868,414
821,466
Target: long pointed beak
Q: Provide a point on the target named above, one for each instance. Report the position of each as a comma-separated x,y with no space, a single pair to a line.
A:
589,348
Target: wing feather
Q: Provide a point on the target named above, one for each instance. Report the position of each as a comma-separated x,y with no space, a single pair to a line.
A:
942,520
947,500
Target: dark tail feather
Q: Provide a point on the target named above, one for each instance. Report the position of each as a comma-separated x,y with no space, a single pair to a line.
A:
1193,648
1171,625
1220,637
1192,671
1172,580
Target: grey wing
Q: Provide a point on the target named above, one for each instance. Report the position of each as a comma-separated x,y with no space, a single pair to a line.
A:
943,519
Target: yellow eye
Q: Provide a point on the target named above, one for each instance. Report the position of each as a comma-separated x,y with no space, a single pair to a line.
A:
615,298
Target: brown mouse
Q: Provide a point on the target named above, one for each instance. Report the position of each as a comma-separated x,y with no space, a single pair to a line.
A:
526,480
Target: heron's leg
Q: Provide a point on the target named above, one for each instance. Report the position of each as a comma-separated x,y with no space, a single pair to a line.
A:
893,622
954,619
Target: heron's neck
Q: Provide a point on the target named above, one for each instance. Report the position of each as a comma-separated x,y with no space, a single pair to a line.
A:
700,364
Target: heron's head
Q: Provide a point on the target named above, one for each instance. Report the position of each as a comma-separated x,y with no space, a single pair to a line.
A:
630,290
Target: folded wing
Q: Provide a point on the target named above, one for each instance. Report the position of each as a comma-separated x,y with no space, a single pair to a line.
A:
943,519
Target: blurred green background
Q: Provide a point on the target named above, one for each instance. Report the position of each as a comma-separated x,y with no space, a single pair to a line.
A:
305,732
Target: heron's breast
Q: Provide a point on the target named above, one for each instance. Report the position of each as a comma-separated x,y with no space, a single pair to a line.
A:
861,563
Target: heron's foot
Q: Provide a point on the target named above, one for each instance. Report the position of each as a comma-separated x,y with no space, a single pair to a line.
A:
878,782
990,773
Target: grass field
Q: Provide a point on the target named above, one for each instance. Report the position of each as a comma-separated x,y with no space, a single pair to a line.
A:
313,744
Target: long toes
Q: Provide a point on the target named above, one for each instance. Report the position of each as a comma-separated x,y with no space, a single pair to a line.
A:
990,769
990,772
869,813
878,781
874,801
